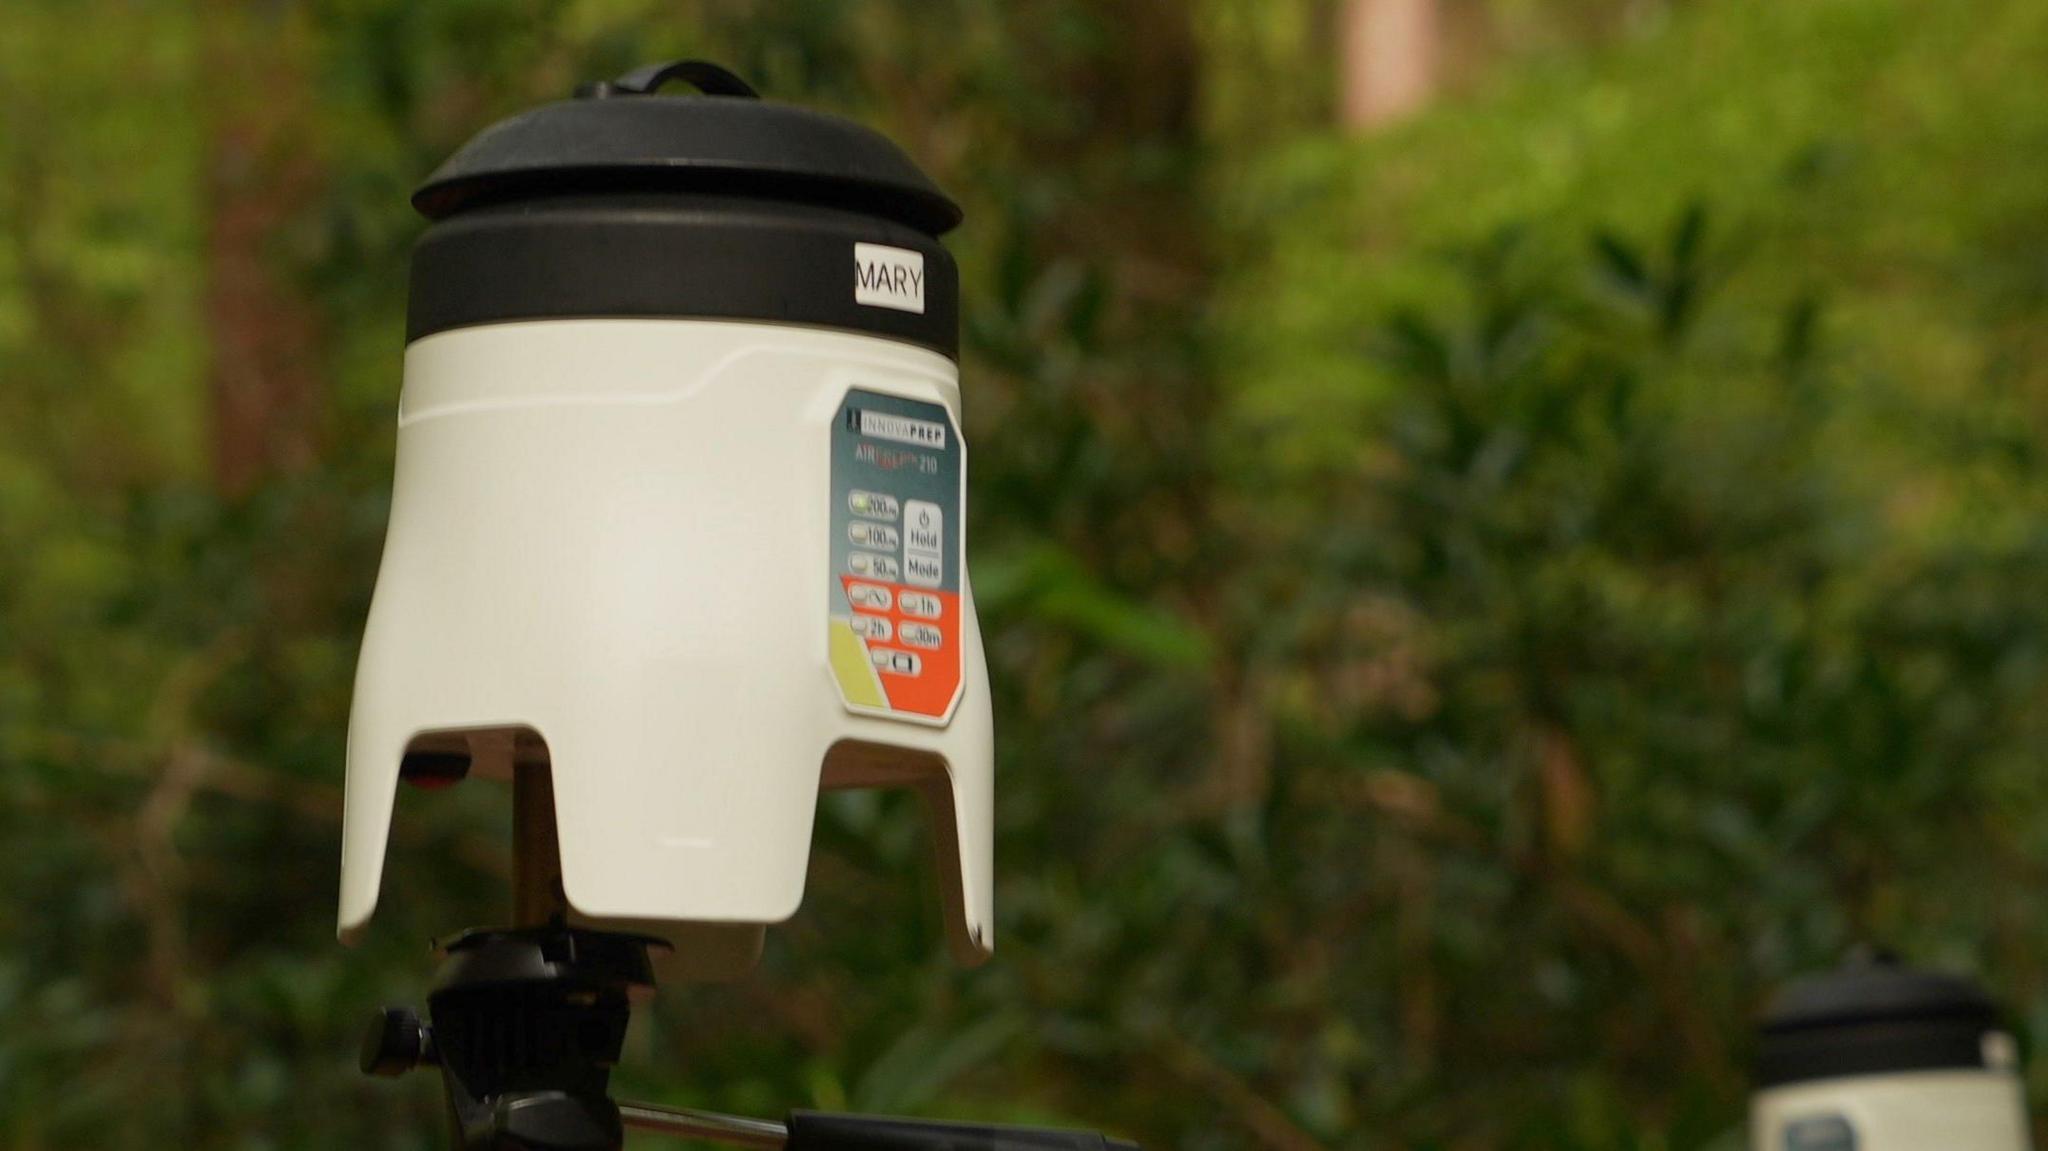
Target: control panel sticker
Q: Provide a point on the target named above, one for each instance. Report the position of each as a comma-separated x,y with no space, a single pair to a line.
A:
1821,1133
897,549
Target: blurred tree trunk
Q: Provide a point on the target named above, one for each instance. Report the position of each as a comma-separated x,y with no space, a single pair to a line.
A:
260,176
1388,59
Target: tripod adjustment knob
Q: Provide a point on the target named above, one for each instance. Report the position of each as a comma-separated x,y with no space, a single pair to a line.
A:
395,1043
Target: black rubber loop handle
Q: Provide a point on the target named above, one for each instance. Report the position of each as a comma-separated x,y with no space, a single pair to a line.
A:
703,75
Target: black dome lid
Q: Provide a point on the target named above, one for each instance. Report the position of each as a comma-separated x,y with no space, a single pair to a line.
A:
1875,1016
622,136
1871,990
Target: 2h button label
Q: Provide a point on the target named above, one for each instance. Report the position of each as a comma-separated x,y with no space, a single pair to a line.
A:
924,543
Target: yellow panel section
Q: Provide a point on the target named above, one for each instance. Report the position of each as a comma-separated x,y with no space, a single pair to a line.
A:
851,667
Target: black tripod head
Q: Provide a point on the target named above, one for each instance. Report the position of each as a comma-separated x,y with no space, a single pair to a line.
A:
528,1023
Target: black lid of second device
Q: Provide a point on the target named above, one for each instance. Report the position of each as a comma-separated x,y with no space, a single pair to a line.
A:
1875,1016
622,136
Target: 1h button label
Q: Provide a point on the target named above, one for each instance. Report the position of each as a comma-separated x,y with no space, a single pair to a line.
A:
924,543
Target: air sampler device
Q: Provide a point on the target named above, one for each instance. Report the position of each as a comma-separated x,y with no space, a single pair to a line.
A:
676,541
1881,1057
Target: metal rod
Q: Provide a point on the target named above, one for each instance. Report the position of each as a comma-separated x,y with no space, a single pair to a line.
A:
728,1129
537,898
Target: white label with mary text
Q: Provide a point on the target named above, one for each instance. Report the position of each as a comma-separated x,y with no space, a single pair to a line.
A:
886,277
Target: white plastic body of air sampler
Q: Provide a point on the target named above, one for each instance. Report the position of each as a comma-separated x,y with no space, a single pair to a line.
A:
636,539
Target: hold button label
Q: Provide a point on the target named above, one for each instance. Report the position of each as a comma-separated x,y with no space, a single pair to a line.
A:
924,528
924,543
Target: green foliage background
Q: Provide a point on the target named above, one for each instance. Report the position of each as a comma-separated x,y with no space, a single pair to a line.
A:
1471,610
